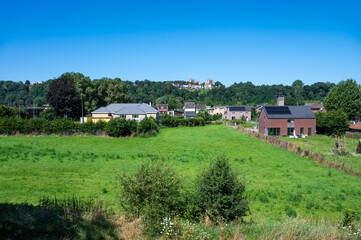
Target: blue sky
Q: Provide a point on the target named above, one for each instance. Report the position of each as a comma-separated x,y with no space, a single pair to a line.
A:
265,42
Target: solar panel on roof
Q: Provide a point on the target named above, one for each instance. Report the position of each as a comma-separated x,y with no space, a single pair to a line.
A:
278,110
237,109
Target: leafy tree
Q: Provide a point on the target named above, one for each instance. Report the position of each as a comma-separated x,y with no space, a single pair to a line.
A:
220,192
346,96
153,192
62,96
332,122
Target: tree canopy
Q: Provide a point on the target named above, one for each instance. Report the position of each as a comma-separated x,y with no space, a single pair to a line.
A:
346,96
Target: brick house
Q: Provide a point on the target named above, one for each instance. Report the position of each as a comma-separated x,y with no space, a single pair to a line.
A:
162,109
287,121
237,112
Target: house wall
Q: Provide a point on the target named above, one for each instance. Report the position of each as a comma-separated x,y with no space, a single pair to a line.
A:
264,122
100,115
305,123
237,115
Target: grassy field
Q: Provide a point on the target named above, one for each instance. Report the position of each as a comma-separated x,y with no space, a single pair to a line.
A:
279,182
325,145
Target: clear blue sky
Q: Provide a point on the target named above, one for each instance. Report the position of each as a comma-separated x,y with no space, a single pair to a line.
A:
265,42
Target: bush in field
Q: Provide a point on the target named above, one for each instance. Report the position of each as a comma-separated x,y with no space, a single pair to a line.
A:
220,192
168,120
148,127
121,127
152,192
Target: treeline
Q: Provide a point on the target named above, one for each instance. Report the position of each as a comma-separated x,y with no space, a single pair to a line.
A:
100,92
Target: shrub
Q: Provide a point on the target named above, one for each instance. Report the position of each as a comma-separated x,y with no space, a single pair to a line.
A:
290,212
220,192
121,127
168,120
48,114
148,127
152,192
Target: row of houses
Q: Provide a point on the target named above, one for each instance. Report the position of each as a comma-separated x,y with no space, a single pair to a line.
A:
273,120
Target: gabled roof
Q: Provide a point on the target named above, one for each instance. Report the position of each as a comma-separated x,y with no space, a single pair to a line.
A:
239,108
189,105
295,112
126,108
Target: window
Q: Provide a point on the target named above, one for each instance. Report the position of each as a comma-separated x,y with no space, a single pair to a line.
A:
233,118
232,112
135,116
274,131
290,121
109,114
301,131
309,131
122,116
290,131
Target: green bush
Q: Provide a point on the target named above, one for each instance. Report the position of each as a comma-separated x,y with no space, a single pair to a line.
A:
121,127
168,121
220,192
148,127
152,192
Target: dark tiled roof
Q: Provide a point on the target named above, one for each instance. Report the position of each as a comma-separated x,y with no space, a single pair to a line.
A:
300,112
239,108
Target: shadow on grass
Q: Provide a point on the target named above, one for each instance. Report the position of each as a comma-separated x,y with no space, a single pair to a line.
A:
55,220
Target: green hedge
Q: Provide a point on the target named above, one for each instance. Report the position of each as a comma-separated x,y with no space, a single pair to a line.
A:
11,126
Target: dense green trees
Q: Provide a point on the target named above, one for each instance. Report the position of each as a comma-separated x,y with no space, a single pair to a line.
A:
63,97
100,92
346,96
332,122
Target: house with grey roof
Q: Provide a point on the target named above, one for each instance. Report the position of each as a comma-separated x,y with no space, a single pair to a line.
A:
237,112
287,121
136,111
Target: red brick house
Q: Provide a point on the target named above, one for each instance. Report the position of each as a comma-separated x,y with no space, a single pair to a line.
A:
287,121
162,109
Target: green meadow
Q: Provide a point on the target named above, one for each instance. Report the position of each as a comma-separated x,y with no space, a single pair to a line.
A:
280,184
325,144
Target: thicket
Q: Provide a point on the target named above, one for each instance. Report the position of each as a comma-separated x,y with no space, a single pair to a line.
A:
171,121
121,127
155,193
11,126
57,219
332,122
